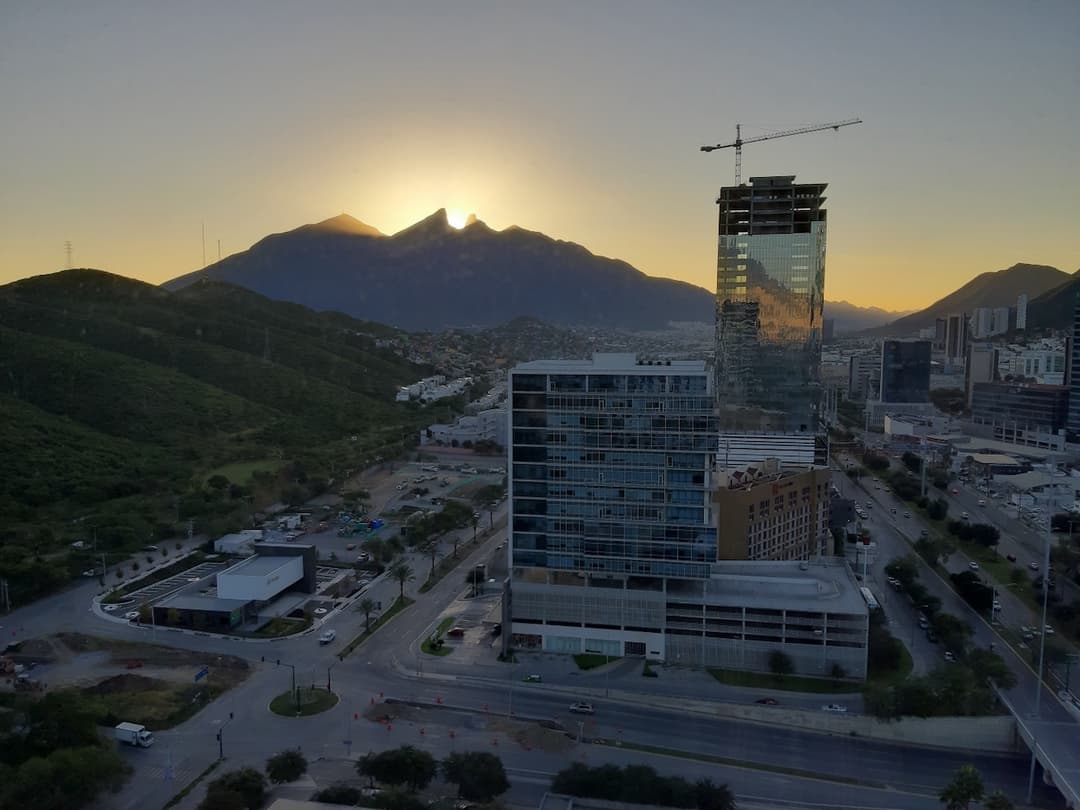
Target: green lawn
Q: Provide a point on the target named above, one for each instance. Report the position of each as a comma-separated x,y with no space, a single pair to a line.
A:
280,627
240,472
312,701
787,683
592,660
429,645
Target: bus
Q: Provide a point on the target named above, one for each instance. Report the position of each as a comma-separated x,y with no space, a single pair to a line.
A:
868,595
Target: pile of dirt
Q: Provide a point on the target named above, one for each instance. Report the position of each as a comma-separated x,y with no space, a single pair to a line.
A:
392,712
532,735
125,683
151,654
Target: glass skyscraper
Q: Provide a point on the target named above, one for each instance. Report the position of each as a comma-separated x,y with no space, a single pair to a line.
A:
770,281
610,463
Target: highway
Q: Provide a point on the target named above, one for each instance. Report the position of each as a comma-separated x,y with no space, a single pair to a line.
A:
1057,732
888,776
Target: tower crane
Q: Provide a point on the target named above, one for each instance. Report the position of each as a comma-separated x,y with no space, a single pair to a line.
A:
739,140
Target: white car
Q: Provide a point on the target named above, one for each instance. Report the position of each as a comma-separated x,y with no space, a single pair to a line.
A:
327,637
582,708
836,708
1048,630
982,501
89,572
950,657
974,566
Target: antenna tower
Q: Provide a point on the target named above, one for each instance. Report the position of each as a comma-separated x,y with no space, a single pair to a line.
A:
67,252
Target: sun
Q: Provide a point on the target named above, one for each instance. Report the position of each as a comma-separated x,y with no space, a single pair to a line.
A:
456,218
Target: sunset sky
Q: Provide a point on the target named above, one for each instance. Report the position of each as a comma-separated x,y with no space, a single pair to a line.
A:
126,126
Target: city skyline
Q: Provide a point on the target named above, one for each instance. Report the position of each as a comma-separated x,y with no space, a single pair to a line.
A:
130,129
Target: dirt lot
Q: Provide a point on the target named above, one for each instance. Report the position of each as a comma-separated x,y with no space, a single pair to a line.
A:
132,681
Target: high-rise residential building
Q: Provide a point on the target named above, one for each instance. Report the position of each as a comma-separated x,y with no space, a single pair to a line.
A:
1072,368
999,320
864,376
981,366
769,305
613,530
956,338
941,326
905,371
1021,311
982,323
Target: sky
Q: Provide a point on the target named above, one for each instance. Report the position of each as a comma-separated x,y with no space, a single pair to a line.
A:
131,129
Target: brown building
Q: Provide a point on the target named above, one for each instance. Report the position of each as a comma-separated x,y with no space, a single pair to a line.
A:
768,513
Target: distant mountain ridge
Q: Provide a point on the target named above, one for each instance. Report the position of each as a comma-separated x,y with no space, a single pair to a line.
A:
990,289
851,318
431,276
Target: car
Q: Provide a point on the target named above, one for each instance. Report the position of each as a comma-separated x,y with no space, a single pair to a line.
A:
327,637
1048,630
109,608
1010,557
955,491
768,701
131,615
533,679
835,708
363,557
350,546
89,572
582,708
151,548
1034,566
974,566
923,534
950,657
907,514
401,486
964,516
496,630
456,632
997,604
982,501
893,510
924,622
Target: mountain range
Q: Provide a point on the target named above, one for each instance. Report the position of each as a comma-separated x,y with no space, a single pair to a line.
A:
432,276
991,289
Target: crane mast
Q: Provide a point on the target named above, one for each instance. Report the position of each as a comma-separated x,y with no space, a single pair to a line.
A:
739,141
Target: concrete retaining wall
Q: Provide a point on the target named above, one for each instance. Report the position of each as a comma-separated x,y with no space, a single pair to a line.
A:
996,734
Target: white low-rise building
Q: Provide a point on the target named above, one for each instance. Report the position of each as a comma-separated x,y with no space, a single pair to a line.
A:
489,425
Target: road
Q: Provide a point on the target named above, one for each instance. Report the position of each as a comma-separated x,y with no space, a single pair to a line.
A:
1057,732
381,668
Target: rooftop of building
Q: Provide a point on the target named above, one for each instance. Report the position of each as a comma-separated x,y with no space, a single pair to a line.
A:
771,585
970,445
198,601
993,458
261,565
603,362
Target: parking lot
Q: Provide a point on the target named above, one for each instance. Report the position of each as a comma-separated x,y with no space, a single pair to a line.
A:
152,593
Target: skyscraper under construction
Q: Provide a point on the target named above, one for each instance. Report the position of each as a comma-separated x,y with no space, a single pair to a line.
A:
770,281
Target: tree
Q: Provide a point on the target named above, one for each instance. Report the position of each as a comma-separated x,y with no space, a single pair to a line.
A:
247,783
953,632
288,766
998,801
479,775
780,663
966,787
402,573
904,569
367,605
339,794
989,665
939,507
399,766
222,799
985,535
218,483
714,797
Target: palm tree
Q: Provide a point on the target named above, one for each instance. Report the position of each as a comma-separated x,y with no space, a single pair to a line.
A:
402,573
432,547
367,604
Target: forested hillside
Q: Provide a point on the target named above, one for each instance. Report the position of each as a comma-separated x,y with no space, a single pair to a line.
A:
120,401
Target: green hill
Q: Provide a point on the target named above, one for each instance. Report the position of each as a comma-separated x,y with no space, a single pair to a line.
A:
120,398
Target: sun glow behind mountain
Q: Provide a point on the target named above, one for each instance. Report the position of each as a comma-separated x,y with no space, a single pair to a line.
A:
456,218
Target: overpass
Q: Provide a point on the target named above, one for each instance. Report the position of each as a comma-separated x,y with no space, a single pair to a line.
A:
1055,738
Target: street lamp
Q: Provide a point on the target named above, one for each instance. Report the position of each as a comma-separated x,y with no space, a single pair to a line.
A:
296,693
220,743
1042,651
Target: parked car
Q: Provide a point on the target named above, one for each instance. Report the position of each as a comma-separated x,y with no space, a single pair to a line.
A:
907,514
982,501
768,701
950,657
582,708
456,632
327,637
834,707
955,491
1048,630
89,572
974,566
1010,557
964,516
150,548
1034,566
533,679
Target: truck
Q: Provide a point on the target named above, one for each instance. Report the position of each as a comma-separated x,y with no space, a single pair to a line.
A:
134,734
